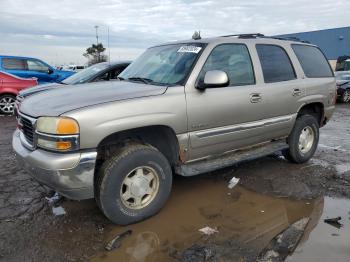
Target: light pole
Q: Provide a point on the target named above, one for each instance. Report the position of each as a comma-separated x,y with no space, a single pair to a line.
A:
98,57
96,27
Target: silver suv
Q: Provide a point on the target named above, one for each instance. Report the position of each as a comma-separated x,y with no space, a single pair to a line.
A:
184,108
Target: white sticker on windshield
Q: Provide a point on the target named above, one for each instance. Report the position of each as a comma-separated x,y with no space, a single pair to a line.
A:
189,49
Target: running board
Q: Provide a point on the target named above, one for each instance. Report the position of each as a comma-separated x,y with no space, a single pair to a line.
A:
231,158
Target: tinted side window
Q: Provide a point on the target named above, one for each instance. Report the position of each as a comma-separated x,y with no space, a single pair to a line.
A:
275,63
114,73
234,59
14,64
34,65
312,61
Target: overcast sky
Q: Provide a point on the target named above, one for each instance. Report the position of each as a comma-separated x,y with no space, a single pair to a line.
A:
60,31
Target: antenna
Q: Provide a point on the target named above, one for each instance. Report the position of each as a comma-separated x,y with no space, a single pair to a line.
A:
196,35
109,50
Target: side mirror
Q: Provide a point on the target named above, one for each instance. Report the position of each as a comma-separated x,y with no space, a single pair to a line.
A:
49,71
214,79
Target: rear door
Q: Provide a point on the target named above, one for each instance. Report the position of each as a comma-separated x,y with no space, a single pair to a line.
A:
283,87
15,66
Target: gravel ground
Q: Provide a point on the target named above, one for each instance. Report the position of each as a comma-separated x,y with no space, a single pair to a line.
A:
28,228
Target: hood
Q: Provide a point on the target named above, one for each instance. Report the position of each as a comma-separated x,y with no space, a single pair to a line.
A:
67,98
36,89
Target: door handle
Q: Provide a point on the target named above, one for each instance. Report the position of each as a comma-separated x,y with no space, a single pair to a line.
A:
296,92
255,98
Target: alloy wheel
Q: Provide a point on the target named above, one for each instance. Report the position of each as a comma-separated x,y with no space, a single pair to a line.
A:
139,187
7,104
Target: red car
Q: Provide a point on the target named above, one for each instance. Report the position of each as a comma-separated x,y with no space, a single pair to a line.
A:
10,85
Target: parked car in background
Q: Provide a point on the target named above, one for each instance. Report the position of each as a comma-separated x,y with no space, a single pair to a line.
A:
75,68
343,64
186,108
10,85
99,72
343,86
27,67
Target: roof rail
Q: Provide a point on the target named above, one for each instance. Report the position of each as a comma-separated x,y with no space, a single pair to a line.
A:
290,38
259,35
254,35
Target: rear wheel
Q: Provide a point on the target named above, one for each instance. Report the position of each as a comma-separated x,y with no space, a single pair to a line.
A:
345,98
7,104
134,184
303,140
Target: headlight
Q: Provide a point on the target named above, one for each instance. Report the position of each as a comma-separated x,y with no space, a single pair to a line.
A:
57,133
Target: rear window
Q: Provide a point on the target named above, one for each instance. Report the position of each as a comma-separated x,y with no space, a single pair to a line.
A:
312,60
14,64
275,63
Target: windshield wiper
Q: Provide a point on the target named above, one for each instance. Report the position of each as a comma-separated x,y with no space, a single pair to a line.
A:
120,78
141,79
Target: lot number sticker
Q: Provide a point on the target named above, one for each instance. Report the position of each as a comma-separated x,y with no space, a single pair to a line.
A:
189,49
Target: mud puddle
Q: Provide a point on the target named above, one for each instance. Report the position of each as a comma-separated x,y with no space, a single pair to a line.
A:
246,222
326,242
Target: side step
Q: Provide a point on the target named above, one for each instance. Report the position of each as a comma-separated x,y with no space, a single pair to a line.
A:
231,158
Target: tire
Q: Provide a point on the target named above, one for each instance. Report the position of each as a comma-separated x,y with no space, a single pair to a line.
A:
345,98
7,104
121,188
301,149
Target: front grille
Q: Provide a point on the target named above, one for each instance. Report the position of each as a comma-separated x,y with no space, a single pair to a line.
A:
27,129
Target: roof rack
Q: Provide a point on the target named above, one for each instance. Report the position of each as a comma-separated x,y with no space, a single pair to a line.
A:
259,35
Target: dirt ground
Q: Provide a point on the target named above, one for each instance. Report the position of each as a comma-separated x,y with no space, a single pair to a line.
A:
271,195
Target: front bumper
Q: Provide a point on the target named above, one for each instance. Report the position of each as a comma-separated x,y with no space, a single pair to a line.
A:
70,174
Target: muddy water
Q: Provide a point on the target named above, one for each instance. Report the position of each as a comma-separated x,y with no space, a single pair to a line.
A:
248,219
326,242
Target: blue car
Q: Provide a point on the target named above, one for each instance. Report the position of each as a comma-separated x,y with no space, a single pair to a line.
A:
28,67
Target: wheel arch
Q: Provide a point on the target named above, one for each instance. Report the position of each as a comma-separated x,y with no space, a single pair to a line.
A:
159,136
8,92
315,109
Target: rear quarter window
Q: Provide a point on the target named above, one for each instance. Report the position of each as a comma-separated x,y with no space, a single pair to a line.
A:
313,61
275,63
14,64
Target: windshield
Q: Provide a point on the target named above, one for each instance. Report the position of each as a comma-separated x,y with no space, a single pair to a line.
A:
163,65
84,75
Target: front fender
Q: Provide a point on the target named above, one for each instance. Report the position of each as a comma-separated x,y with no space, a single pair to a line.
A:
100,121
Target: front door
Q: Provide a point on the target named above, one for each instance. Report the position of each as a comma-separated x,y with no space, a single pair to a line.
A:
41,71
215,113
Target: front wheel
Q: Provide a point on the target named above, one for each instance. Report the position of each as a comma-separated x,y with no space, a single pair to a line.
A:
7,104
303,140
134,184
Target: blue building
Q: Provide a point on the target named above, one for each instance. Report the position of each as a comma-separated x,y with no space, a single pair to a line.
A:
333,42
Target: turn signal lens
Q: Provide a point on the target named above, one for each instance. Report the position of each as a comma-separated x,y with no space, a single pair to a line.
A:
67,126
63,145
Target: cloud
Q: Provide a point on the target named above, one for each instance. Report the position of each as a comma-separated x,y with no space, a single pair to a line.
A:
137,24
